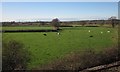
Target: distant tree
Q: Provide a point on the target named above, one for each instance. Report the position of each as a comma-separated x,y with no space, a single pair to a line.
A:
102,22
14,56
56,23
113,22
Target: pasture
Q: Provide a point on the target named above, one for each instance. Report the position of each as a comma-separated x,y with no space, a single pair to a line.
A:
46,47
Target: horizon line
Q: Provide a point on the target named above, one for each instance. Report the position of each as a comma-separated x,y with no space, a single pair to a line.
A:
51,20
61,19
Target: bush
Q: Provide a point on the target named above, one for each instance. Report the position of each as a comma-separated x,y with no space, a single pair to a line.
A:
15,56
82,60
110,55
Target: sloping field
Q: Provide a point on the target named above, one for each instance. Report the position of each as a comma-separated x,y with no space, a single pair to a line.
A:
53,46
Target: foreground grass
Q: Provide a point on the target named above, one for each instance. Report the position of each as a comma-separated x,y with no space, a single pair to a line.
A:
45,49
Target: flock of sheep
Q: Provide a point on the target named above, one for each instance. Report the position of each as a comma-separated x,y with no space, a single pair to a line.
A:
100,32
88,31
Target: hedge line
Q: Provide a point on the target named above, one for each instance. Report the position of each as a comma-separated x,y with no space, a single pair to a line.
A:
9,31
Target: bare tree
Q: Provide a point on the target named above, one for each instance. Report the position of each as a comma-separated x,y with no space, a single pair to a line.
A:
56,23
113,21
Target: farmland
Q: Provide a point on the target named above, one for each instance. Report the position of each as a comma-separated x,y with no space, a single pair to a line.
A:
45,49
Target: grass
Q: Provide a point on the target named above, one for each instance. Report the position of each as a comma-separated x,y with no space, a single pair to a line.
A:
45,49
0,58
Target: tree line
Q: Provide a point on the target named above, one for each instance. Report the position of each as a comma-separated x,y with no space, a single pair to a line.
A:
57,22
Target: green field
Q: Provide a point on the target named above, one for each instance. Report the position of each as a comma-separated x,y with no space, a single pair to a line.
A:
45,49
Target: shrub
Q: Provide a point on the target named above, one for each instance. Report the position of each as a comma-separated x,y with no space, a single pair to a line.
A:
15,56
110,55
84,59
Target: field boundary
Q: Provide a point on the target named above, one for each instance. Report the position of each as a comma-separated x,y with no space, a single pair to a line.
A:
14,31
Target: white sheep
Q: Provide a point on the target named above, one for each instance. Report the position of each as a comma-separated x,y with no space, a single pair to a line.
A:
108,31
101,32
89,31
58,33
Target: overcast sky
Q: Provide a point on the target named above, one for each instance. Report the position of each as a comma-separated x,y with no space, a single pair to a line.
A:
23,11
